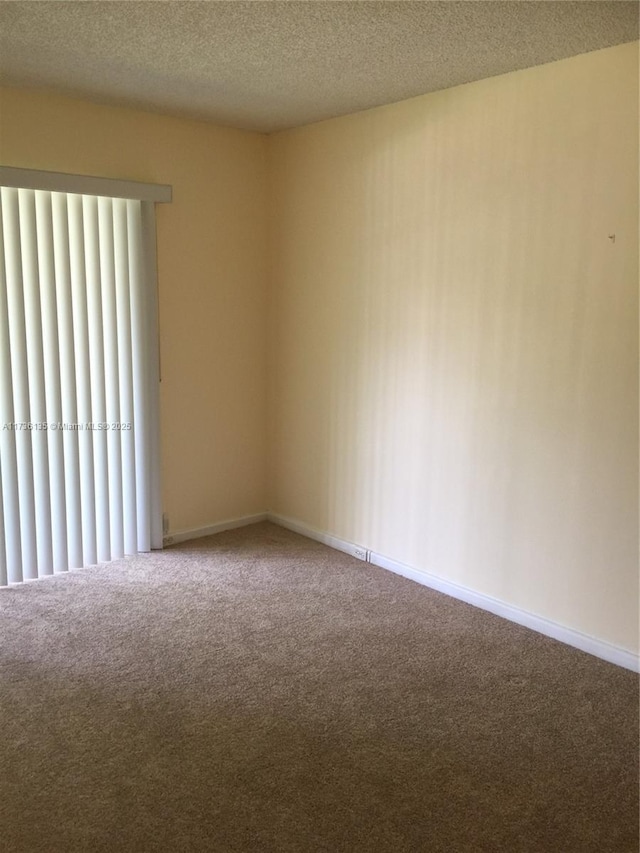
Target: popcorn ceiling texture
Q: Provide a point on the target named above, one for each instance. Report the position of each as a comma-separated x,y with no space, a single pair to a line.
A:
268,66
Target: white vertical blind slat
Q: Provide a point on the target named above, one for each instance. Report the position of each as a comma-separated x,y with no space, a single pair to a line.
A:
53,392
111,375
11,568
83,379
71,452
3,551
139,364
20,382
96,372
35,367
123,311
149,286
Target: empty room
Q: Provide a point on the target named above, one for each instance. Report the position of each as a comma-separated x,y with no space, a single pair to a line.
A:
319,426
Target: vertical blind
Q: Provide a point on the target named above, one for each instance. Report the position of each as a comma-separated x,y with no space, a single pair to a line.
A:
78,375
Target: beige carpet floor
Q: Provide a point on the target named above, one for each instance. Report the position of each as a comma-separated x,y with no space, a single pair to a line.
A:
256,691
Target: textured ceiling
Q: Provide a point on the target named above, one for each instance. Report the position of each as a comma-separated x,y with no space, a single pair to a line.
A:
271,65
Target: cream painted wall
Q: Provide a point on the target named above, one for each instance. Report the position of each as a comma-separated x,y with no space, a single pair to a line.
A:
454,347
212,283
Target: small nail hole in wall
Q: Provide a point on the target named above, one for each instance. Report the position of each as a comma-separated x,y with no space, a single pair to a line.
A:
612,237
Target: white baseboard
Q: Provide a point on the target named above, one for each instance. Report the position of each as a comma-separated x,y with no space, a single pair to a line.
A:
319,536
569,636
199,532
